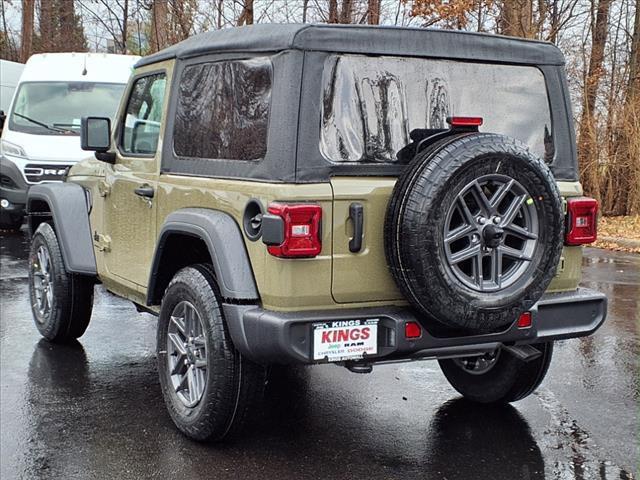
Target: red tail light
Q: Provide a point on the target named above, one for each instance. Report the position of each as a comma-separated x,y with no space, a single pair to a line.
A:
464,121
582,221
301,230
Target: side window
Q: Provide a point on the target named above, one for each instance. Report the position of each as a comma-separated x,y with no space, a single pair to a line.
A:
143,115
223,110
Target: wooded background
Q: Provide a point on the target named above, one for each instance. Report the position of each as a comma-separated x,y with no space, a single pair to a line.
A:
600,40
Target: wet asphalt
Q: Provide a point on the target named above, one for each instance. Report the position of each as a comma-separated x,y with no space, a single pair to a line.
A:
93,410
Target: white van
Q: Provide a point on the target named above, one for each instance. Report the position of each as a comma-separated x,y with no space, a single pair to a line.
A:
9,76
41,135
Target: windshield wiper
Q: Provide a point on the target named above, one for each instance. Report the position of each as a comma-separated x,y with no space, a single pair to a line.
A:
42,124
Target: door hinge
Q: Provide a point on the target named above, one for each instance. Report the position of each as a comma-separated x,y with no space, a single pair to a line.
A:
102,242
104,188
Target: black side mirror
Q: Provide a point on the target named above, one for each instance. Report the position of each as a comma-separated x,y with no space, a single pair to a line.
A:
95,135
3,117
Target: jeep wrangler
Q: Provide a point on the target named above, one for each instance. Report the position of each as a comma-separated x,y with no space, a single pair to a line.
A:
282,194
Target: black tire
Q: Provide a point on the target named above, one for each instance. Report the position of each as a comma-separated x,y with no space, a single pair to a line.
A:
509,379
68,315
10,221
234,385
415,222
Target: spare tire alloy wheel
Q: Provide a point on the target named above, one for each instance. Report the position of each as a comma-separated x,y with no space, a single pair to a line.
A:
491,233
474,232
187,354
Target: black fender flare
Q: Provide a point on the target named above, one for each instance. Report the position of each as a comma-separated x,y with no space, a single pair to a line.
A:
224,241
69,206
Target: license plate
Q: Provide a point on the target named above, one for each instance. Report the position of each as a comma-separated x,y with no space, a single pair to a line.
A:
345,339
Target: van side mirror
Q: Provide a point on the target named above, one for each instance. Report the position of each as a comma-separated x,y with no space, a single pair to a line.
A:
95,134
3,118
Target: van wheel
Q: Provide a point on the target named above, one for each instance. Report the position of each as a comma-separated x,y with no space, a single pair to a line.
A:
208,386
497,377
61,302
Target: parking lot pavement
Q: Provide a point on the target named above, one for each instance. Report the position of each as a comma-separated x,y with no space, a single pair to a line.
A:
93,410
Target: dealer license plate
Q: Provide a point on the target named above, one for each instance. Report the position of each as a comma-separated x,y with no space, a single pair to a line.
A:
345,339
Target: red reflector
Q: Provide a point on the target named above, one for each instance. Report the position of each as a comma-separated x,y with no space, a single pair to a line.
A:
412,330
582,221
525,320
464,121
301,230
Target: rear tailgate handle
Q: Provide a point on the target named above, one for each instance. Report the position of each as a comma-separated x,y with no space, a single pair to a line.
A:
356,215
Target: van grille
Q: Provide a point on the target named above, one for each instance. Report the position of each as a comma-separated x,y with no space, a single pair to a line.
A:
35,173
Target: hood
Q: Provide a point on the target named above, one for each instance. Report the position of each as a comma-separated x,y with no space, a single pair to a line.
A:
48,148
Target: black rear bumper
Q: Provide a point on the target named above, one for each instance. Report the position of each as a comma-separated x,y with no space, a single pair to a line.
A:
286,337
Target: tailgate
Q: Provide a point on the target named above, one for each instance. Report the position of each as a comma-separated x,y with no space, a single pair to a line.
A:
361,276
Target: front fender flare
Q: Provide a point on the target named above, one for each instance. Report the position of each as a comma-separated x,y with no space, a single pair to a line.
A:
68,204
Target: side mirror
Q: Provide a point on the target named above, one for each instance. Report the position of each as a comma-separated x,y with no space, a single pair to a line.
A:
3,118
95,134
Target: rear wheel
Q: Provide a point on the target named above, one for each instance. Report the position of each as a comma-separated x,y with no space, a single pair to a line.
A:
497,377
61,302
210,390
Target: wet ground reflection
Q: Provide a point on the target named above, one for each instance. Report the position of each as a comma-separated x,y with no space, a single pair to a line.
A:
93,410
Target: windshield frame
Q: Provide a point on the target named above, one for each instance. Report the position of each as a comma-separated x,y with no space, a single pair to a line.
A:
53,130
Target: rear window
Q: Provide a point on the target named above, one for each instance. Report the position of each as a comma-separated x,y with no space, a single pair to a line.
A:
223,110
371,104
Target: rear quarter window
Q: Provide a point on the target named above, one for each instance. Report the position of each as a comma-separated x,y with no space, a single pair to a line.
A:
223,110
371,104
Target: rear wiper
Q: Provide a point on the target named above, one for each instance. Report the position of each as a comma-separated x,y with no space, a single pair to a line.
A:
42,124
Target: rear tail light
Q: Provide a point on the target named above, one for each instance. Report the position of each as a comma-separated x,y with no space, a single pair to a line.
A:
299,230
582,221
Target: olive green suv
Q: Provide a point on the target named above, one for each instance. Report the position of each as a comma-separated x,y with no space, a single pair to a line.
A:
304,194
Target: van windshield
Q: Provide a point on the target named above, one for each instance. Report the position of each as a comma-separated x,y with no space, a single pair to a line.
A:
55,108
372,104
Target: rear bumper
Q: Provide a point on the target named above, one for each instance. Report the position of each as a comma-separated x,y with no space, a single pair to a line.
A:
278,337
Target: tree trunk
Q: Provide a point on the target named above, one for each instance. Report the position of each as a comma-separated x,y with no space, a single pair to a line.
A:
333,11
28,8
246,17
159,25
125,27
516,18
346,11
47,30
587,138
305,9
373,13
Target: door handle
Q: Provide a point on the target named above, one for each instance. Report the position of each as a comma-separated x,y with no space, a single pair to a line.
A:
145,191
356,215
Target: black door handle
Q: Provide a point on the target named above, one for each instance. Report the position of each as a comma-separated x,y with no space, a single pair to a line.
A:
144,191
356,215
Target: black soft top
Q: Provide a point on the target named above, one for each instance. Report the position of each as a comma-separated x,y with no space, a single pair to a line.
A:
365,39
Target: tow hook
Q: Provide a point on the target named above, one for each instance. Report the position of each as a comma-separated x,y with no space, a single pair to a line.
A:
359,367
526,353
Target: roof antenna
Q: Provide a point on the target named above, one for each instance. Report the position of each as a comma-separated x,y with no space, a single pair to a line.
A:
84,69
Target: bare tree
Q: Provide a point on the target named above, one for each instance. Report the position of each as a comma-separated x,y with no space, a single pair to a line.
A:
587,140
159,25
373,12
516,18
246,17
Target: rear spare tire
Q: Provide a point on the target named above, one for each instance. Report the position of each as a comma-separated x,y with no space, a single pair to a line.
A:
473,232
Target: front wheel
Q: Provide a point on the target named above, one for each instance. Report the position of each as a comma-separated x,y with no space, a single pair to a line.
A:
61,302
209,388
497,377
